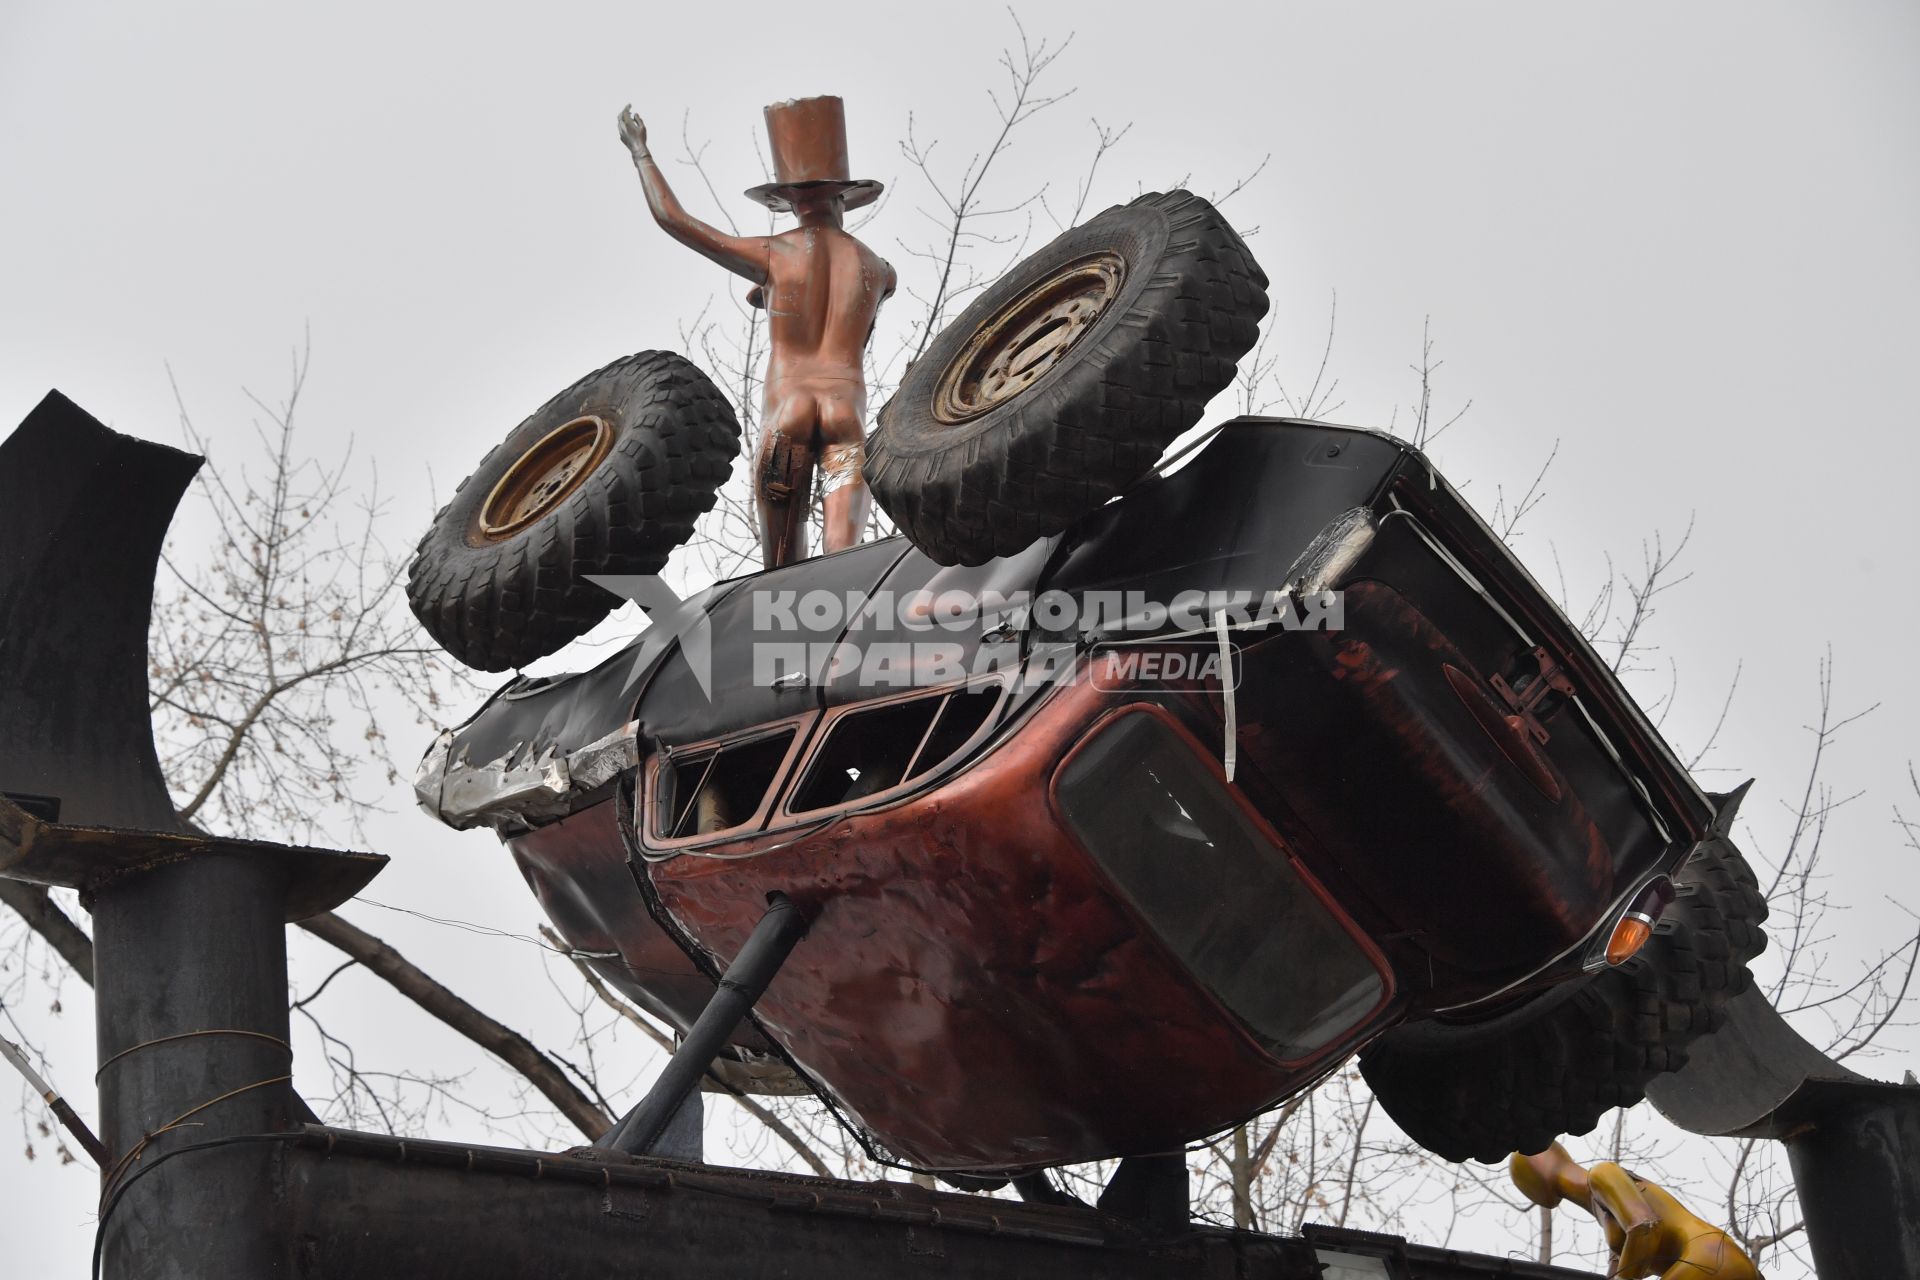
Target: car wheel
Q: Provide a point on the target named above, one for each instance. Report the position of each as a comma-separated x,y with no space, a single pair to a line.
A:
606,477
1064,382
1556,1064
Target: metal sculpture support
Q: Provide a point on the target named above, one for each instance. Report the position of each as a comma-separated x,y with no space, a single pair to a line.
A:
215,1168
740,987
1853,1142
822,291
189,931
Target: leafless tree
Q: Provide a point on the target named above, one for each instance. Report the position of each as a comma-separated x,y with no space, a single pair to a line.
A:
273,662
267,658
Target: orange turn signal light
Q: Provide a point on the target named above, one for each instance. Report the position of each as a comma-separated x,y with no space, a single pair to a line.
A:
1628,937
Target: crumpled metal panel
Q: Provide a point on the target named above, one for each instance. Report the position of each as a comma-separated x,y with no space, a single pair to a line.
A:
948,613
1237,517
520,788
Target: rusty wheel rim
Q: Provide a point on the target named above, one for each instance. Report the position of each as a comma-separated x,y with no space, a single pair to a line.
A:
543,476
1028,338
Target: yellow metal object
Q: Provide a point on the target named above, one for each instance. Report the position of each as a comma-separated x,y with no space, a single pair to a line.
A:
1649,1233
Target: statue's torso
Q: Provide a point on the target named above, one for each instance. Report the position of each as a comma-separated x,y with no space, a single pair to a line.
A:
824,289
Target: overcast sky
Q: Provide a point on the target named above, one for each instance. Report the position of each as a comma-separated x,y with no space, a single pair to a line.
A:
1681,240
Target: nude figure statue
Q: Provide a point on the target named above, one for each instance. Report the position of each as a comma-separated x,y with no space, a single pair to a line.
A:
822,290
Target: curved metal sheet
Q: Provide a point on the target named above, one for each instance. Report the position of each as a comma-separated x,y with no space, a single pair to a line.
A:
83,513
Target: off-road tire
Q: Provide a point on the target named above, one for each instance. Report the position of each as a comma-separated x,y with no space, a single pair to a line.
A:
1556,1064
502,599
1184,311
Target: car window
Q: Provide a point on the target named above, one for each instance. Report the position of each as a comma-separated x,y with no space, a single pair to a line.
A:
718,788
877,748
961,716
1215,888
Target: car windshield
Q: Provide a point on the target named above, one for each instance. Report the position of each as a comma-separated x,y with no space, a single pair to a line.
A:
1215,888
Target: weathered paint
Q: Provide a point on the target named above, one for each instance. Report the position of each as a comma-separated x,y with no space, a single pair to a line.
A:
971,990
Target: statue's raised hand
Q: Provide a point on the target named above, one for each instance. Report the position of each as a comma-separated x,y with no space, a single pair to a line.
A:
633,132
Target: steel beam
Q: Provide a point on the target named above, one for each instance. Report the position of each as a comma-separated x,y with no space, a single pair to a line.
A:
365,1204
741,987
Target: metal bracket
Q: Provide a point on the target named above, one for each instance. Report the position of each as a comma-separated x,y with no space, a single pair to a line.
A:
1524,701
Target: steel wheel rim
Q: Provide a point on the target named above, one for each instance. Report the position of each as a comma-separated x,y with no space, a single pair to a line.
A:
1028,338
544,476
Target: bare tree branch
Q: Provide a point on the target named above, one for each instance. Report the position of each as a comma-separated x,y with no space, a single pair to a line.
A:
503,1042
44,916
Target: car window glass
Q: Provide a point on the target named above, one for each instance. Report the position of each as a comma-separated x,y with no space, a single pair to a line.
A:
1214,888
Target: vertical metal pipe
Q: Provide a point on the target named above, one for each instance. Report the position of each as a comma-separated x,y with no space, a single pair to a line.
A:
192,1023
746,979
1856,1164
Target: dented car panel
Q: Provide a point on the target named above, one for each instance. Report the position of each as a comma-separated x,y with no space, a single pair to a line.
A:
594,902
972,992
1415,771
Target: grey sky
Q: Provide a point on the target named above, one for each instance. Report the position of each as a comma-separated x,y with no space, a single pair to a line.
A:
1681,239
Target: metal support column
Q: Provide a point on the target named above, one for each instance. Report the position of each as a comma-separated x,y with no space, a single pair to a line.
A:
746,979
189,931
1151,1191
1854,1143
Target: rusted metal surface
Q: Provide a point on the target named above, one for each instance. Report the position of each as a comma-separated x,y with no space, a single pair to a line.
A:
822,290
1333,719
963,1036
592,900
355,1204
1033,333
1649,1233
544,476
90,859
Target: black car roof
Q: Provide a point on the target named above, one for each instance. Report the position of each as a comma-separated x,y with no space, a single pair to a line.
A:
1236,517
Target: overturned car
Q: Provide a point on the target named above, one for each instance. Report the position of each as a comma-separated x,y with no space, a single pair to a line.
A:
1114,842
1122,799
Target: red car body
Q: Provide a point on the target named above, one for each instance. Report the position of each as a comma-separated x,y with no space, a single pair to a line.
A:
1044,926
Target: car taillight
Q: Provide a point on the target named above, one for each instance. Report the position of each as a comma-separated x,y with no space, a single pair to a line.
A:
1628,937
1635,925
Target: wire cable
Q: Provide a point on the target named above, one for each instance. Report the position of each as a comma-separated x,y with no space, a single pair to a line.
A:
119,1192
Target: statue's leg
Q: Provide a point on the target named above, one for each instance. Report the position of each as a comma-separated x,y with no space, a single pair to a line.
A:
844,495
783,480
